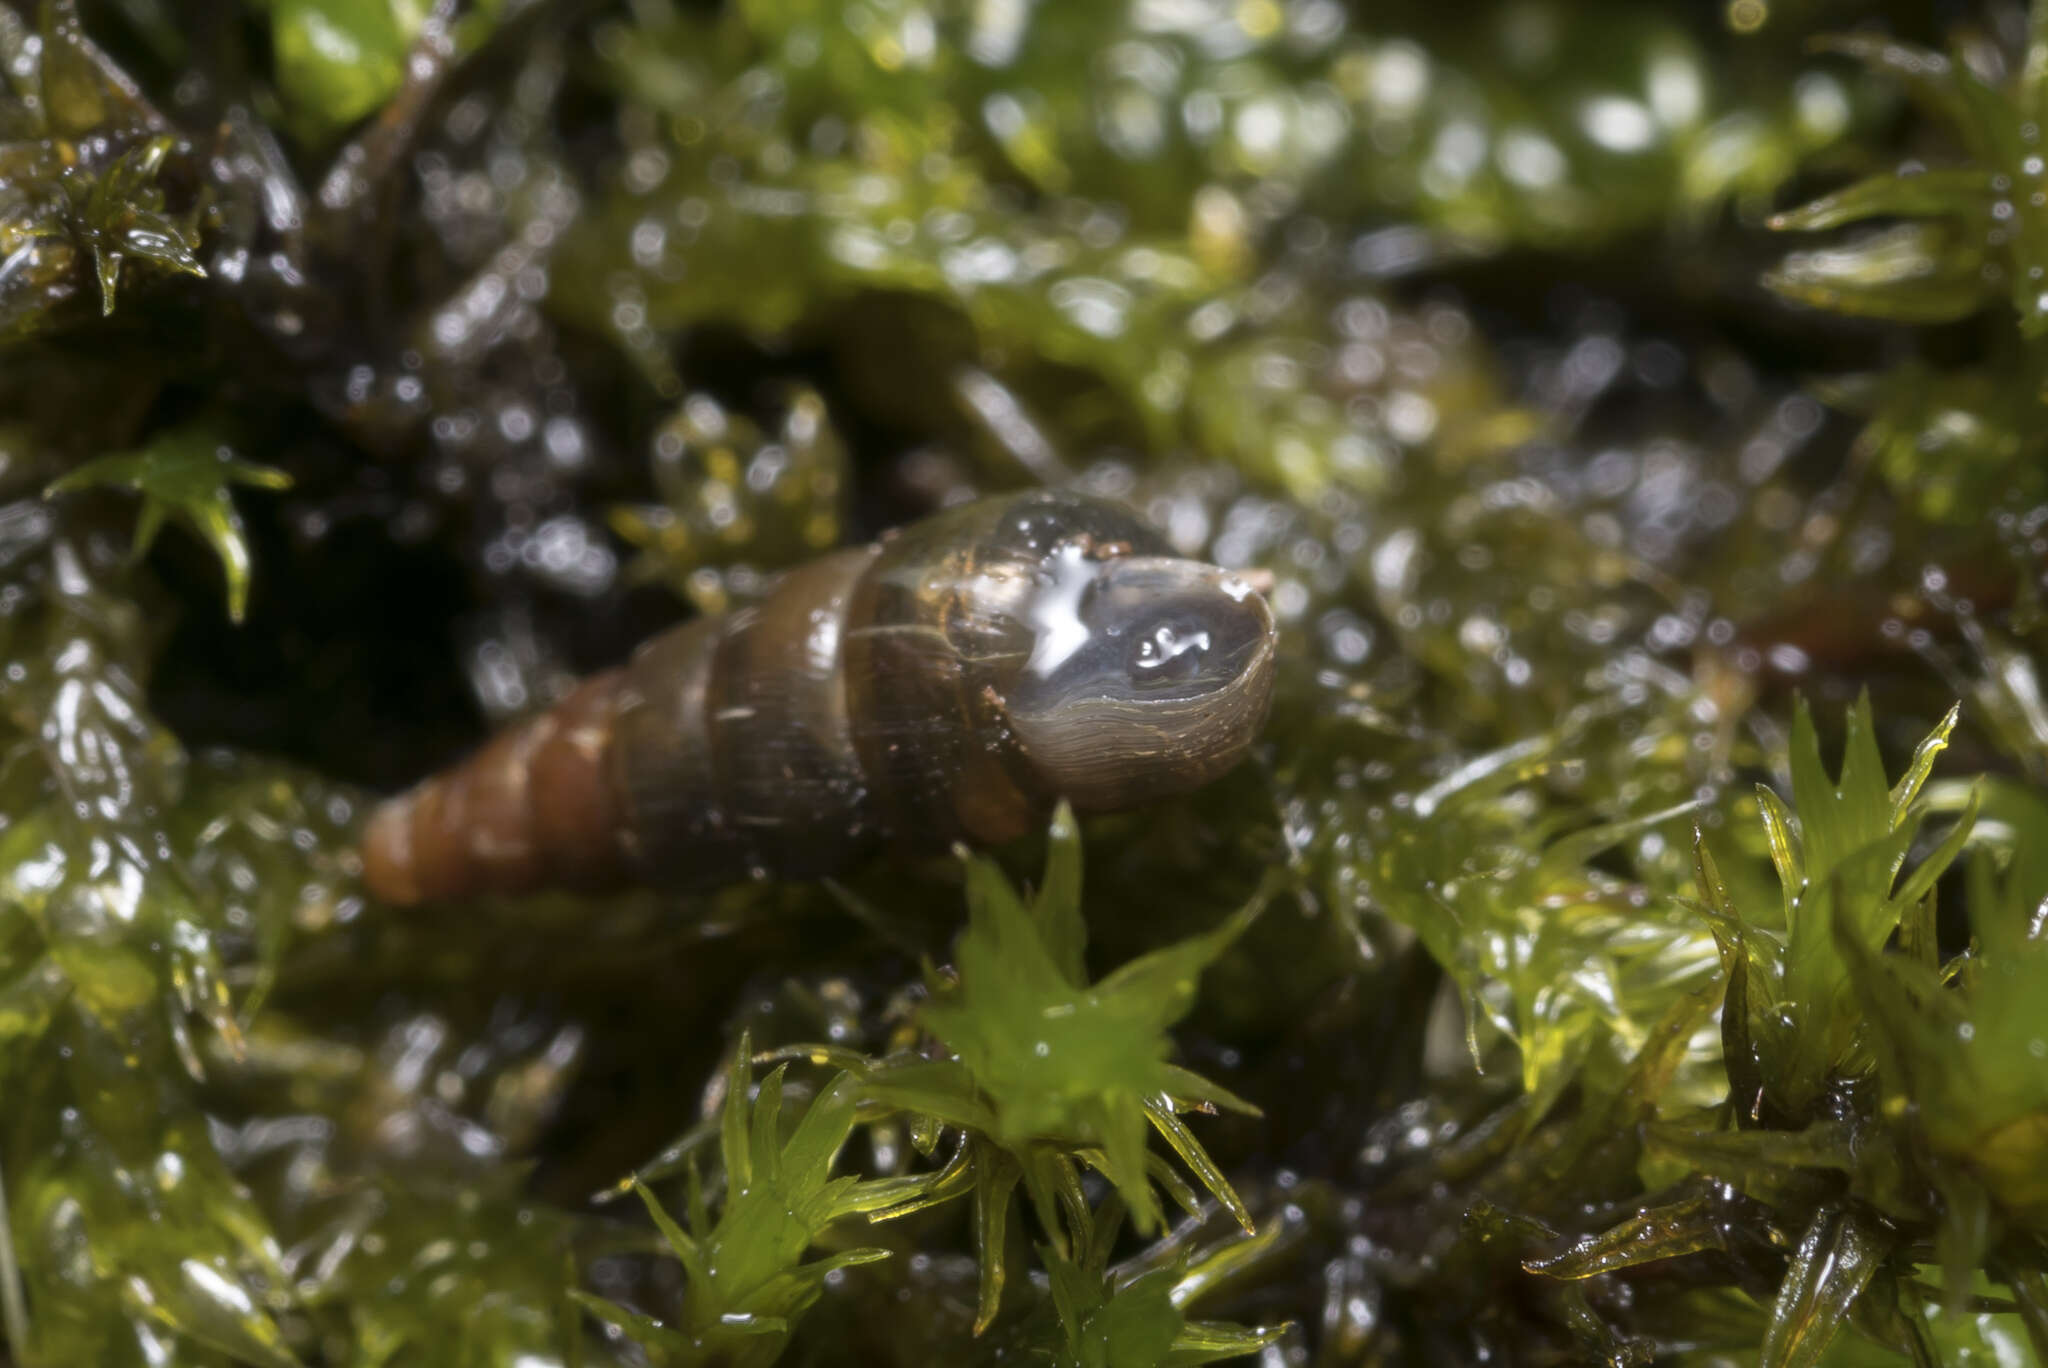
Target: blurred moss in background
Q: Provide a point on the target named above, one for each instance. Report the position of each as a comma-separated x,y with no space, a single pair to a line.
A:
1626,947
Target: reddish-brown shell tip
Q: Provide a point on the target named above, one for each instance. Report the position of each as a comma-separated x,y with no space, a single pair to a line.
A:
388,870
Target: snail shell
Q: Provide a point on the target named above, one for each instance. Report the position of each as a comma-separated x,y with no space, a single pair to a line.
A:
950,682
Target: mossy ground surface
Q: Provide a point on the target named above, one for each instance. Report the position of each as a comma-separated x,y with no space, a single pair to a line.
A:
1626,945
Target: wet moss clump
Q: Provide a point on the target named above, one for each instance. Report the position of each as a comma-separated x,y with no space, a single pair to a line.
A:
1624,947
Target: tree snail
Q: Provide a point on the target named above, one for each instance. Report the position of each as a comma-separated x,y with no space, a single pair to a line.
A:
950,682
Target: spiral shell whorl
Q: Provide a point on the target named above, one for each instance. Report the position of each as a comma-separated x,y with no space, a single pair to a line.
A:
535,806
947,683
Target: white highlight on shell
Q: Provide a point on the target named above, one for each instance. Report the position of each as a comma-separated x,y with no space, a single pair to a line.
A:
1056,610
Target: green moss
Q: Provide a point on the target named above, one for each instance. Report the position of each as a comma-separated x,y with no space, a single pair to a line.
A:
186,473
81,159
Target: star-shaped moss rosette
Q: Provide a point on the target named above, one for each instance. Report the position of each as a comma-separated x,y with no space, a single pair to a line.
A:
121,218
1134,1315
82,157
1962,1050
1880,1103
1046,1073
1970,234
1549,951
1946,241
1796,1025
185,473
746,1282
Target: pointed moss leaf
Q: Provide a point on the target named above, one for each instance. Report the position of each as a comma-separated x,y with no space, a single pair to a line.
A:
995,1178
697,1202
1230,1258
1921,880
678,1239
1597,1340
1924,194
1659,1058
765,1135
1971,225
1109,1222
1058,904
1160,1111
1824,1027
806,1160
1664,1232
1741,1001
1207,1342
1920,932
1838,862
672,1160
888,1199
1125,1160
829,1056
1489,773
1720,908
82,91
1177,1189
747,1285
186,473
1838,818
671,1345
735,1134
1784,845
1922,764
1742,1012
1911,273
122,221
1074,1293
1185,1086
1002,926
1052,1184
106,265
1836,1257
1961,1050
956,1178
